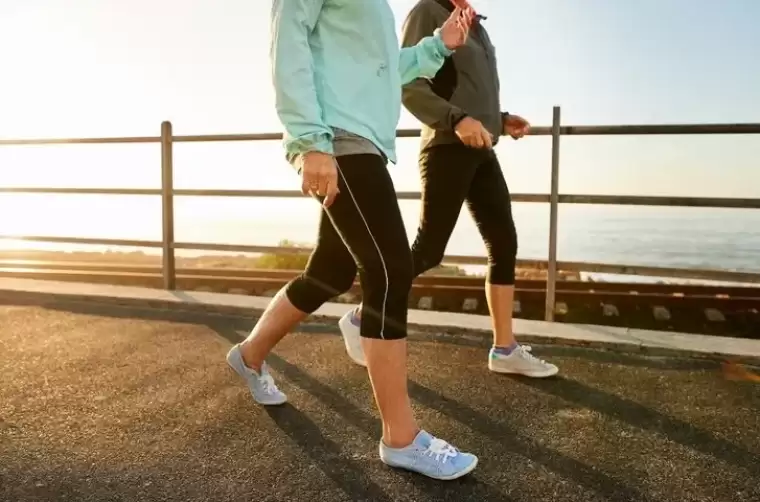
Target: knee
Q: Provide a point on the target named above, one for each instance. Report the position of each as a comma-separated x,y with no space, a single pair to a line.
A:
333,281
313,287
502,258
426,256
343,281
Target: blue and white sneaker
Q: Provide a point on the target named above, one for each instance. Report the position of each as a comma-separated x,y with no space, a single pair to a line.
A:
261,385
431,457
520,362
350,328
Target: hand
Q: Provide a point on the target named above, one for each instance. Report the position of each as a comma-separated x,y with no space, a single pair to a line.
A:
319,173
473,134
456,28
516,126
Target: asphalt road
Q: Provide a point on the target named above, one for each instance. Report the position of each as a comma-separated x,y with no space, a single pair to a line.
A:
108,403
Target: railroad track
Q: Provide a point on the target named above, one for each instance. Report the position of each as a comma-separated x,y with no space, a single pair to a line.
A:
716,310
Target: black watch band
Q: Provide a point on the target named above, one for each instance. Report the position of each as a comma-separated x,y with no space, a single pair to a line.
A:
457,119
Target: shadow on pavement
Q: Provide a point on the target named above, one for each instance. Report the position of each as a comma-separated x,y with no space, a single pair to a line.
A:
642,417
346,474
302,431
509,438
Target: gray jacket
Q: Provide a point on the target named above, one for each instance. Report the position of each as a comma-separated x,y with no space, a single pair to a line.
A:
466,85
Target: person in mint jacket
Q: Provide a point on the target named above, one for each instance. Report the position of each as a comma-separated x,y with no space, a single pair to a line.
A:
338,72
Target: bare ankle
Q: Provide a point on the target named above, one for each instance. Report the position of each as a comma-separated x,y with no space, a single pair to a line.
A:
400,439
249,358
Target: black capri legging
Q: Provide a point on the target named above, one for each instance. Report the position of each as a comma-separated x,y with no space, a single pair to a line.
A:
454,174
363,230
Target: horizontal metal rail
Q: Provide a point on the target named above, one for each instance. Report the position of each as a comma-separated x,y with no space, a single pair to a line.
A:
587,130
167,191
618,200
136,243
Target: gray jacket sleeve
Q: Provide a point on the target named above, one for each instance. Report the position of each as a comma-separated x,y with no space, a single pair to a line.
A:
418,96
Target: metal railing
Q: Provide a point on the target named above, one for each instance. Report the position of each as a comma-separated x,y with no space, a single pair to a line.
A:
169,245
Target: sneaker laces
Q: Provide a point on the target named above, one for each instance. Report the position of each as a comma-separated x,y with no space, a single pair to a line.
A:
439,448
524,351
267,384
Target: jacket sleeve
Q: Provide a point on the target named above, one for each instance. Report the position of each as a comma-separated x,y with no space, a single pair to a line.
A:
296,97
423,59
418,95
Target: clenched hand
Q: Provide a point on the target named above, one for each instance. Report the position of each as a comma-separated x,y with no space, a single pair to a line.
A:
473,133
319,174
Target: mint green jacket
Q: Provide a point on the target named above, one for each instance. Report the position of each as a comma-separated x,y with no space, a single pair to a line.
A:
337,63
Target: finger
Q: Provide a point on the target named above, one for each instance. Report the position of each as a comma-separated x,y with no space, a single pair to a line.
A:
464,18
330,195
487,140
305,186
466,21
477,141
324,184
469,15
456,14
313,182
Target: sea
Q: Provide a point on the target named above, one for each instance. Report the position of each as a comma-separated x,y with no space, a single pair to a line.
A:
725,239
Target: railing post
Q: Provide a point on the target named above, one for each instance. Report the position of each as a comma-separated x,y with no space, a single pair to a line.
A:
167,206
551,273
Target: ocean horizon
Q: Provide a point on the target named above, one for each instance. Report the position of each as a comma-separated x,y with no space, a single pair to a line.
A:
719,239
700,238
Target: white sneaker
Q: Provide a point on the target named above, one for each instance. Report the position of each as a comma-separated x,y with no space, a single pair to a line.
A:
521,362
352,338
261,384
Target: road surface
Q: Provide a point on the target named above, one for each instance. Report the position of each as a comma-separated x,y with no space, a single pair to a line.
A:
116,404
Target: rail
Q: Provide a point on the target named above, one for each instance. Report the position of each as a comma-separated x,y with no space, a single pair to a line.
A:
167,192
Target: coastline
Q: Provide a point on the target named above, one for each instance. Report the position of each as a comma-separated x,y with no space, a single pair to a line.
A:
284,261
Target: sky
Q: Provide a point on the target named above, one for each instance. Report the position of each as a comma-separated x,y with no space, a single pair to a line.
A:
72,68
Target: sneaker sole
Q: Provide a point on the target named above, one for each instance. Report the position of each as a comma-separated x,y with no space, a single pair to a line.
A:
273,403
348,353
355,360
543,374
457,475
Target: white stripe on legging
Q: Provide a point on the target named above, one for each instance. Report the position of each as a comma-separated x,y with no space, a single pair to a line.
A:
379,253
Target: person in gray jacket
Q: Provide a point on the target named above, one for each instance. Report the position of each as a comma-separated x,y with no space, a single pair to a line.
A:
462,121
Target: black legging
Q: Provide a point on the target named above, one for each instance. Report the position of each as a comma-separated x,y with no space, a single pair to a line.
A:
363,228
452,175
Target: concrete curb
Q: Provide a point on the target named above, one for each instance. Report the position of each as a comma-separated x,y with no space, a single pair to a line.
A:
440,326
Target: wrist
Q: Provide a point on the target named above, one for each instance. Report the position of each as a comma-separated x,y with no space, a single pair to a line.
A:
316,153
445,51
504,117
457,118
